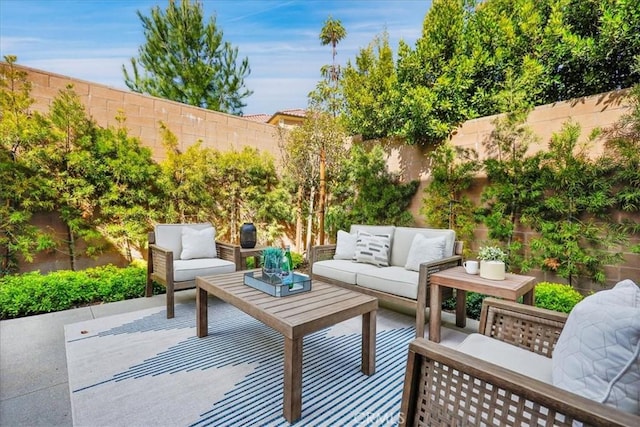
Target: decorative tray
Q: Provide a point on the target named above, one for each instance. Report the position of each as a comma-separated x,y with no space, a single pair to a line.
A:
275,287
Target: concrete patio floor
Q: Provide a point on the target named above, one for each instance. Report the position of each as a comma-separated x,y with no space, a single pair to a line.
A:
34,388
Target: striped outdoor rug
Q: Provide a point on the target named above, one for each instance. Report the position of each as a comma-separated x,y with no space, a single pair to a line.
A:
141,369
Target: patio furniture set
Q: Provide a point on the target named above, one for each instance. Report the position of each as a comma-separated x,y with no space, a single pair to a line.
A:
500,376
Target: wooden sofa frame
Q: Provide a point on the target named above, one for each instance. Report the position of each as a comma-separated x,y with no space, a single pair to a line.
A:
443,386
324,252
160,269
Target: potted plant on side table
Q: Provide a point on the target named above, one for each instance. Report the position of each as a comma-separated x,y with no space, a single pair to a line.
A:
492,262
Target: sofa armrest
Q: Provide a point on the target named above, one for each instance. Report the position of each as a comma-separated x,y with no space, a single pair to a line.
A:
321,253
532,328
424,277
443,386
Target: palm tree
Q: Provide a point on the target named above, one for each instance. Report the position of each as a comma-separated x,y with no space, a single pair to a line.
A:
332,32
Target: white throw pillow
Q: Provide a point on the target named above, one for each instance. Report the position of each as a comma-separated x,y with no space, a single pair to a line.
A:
345,245
372,249
597,353
424,249
198,243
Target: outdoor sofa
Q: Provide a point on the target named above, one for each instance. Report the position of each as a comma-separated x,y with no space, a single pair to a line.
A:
397,273
530,366
180,252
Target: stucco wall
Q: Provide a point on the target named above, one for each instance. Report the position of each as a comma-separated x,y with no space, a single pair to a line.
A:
144,113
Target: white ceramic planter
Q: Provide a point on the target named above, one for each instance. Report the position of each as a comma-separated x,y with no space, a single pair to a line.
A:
493,270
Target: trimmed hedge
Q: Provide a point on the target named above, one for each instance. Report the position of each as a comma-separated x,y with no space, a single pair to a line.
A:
34,293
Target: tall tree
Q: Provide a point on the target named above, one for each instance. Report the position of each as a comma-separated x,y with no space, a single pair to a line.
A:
186,60
369,89
326,98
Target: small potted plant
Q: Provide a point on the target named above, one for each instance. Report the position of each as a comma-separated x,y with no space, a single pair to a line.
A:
492,262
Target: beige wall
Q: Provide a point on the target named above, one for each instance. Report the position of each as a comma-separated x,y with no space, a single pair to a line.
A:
144,113
223,131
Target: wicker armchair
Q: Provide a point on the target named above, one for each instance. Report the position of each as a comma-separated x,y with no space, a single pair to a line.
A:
165,267
445,387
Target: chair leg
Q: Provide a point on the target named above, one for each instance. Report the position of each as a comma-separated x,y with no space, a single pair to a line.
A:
148,289
170,300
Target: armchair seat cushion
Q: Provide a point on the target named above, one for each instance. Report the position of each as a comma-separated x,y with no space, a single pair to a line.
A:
508,356
394,280
185,270
340,269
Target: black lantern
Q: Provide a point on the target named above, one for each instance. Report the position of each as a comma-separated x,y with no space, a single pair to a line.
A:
248,235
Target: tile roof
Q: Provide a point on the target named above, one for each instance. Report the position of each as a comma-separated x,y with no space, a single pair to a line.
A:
260,118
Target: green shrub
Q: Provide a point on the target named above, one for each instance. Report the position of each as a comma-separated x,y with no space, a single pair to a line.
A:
557,296
552,296
34,293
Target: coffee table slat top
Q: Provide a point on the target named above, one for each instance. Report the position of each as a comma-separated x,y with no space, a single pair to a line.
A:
512,287
294,315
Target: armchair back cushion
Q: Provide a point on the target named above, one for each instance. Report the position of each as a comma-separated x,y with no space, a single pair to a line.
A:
403,238
169,236
198,243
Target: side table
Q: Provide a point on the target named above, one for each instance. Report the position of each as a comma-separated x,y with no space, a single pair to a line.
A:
250,253
513,287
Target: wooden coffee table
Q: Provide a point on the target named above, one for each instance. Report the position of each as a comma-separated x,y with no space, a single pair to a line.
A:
294,317
511,288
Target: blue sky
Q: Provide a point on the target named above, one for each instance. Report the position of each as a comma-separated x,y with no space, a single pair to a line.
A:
92,39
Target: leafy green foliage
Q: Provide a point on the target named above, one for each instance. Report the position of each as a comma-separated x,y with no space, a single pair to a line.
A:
557,296
477,58
368,87
186,60
33,293
571,242
514,190
224,188
622,162
22,189
367,193
445,205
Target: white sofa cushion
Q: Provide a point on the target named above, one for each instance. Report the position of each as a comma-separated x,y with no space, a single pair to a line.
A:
169,236
340,269
345,245
403,238
597,353
393,280
198,243
508,356
188,269
424,249
372,249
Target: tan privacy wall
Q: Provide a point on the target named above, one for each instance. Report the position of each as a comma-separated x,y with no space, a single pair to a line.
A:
144,113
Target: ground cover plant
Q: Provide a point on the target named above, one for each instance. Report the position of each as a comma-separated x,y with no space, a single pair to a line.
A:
34,293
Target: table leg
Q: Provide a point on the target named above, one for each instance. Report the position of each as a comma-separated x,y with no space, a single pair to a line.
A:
529,297
461,308
202,322
292,396
435,311
369,342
